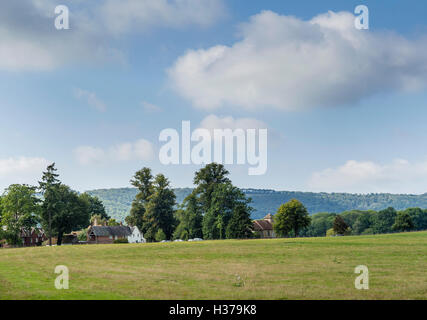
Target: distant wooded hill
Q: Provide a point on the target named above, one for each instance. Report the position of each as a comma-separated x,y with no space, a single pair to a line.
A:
118,201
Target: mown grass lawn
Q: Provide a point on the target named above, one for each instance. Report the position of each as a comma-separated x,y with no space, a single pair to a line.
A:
305,268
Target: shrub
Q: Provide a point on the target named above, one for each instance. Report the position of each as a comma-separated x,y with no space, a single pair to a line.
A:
331,233
82,235
257,235
121,240
368,231
160,236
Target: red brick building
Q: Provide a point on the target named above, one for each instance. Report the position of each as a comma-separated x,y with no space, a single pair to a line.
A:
33,237
107,235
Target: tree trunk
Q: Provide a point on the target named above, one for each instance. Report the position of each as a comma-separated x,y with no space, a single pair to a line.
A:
59,242
50,230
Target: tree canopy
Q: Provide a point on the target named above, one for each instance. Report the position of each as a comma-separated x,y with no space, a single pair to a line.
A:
292,216
340,226
403,222
20,209
159,210
143,181
70,212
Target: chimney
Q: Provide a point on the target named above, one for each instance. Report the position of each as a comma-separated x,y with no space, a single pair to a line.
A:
95,221
269,218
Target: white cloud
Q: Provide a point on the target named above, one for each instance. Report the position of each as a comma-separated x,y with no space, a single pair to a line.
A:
21,170
286,63
91,99
12,166
143,150
30,41
86,155
122,152
399,176
22,54
128,151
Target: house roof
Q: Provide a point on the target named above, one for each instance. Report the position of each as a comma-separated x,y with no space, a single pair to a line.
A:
119,231
261,225
28,233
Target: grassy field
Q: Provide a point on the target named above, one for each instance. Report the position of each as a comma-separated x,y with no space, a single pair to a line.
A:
321,268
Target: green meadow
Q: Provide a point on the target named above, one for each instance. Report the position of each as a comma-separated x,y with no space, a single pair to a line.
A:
303,268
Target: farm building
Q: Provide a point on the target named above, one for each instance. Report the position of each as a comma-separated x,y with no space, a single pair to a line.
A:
30,238
264,227
106,235
33,237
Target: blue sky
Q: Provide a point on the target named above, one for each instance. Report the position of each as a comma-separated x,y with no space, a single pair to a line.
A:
345,108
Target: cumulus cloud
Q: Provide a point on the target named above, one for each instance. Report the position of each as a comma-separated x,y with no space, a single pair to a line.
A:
21,170
128,151
11,166
399,176
91,99
86,155
30,42
143,150
285,63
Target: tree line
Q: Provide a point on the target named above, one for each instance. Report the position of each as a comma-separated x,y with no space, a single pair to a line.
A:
51,205
292,220
358,222
215,209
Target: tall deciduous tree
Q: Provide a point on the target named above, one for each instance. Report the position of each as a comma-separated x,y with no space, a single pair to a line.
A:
216,199
240,225
292,216
190,220
224,199
143,181
96,207
160,209
70,212
20,211
206,180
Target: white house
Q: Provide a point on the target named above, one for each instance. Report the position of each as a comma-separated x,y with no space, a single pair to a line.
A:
136,236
